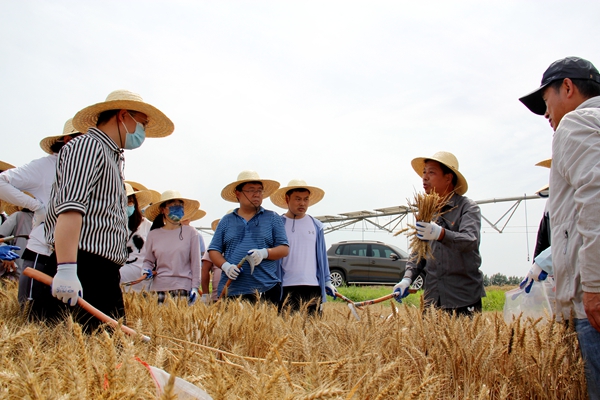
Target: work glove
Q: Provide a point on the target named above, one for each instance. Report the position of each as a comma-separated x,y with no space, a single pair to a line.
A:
330,289
428,230
536,273
255,256
193,296
232,271
204,298
402,288
39,215
66,285
148,273
7,253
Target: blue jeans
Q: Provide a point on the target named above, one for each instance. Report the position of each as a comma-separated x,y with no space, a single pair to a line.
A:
589,343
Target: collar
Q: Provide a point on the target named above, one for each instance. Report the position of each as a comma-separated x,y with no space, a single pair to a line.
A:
593,102
104,138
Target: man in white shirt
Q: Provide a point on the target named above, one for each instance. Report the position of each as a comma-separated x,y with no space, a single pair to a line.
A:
36,178
305,270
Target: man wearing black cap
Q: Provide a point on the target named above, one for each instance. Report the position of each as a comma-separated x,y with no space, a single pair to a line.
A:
569,97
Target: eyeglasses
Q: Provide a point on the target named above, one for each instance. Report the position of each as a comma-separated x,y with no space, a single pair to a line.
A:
254,191
144,123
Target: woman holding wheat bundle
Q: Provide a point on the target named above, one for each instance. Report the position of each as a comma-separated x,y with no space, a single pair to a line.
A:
453,280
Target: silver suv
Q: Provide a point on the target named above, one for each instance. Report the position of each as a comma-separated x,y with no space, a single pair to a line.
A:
367,262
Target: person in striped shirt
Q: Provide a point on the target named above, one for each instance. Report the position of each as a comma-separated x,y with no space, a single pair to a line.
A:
253,232
86,222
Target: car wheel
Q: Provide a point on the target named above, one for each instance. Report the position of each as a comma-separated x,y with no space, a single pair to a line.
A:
417,283
337,278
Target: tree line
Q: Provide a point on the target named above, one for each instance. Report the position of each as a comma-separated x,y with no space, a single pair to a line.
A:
501,280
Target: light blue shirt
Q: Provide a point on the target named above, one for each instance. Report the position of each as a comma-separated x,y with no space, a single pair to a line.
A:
235,236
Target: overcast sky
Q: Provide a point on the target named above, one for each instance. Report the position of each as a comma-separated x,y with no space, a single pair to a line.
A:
341,94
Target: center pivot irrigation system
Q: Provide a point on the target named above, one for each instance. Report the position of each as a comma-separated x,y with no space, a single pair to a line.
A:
390,218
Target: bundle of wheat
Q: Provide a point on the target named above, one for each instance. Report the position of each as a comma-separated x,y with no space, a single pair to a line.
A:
426,207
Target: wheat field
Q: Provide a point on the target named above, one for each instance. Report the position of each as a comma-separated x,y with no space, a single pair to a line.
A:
235,350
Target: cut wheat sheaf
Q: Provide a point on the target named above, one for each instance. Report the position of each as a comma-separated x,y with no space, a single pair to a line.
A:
427,207
234,350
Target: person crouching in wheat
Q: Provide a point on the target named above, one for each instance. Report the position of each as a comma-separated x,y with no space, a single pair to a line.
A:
453,280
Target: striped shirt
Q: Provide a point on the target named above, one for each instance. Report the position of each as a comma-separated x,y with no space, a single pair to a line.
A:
235,236
89,180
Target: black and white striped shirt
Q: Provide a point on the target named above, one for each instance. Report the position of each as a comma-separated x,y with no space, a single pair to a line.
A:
89,179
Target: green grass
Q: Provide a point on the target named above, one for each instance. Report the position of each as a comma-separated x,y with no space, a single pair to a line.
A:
494,301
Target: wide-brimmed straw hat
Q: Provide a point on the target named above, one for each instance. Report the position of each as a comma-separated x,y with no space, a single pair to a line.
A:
215,223
4,166
316,194
450,161
144,197
139,187
159,125
199,214
547,163
269,186
190,206
47,142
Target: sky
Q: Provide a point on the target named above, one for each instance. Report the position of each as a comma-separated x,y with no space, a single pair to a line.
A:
342,94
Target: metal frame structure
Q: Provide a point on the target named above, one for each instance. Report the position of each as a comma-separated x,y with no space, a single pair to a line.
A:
394,216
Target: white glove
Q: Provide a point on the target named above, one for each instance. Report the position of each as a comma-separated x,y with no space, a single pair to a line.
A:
330,289
204,298
255,256
428,230
232,271
402,288
536,273
66,285
193,296
39,215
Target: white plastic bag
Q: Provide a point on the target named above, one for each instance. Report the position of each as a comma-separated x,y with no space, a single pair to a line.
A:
182,388
538,303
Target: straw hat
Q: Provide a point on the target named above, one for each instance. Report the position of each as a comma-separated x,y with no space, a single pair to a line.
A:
4,166
144,197
450,161
199,214
215,223
48,141
269,186
189,206
159,125
547,163
278,198
139,187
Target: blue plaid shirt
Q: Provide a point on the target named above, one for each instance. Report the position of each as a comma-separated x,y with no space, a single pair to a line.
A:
235,236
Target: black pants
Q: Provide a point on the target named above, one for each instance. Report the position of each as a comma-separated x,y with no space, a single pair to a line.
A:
272,295
100,281
295,297
469,310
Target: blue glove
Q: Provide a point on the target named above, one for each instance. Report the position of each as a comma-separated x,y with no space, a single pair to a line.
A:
193,296
148,273
428,230
330,289
402,288
7,253
535,274
66,285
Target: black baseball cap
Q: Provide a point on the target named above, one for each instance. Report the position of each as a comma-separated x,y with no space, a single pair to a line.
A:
570,67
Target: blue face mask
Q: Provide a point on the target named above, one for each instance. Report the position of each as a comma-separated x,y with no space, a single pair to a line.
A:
175,213
135,139
130,210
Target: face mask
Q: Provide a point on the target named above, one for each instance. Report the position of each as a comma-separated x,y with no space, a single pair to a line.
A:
135,139
175,213
130,210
